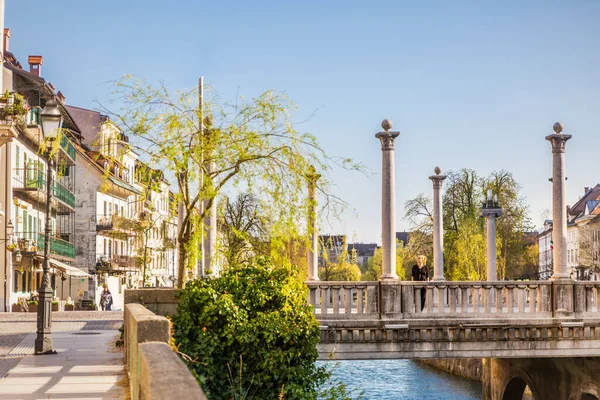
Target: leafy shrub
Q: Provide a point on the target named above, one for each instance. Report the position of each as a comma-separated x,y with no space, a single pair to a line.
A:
250,334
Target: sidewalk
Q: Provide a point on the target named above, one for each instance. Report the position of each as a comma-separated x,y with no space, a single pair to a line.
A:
87,366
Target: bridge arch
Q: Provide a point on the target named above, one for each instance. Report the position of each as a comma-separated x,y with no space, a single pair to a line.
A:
515,384
590,391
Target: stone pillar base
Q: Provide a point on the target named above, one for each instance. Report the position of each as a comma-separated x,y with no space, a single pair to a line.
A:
43,341
563,297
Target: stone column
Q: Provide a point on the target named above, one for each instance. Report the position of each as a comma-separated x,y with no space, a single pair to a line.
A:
559,210
438,225
210,238
388,201
313,251
490,211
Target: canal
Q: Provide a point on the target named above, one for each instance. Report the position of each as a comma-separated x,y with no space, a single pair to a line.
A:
403,379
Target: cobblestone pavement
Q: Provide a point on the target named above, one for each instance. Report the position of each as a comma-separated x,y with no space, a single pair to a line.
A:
17,330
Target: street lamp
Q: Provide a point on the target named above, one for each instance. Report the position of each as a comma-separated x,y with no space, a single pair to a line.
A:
51,124
8,240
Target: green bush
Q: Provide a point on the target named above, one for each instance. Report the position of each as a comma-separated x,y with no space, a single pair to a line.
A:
250,334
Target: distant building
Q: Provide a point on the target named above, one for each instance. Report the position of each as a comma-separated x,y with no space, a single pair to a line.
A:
402,237
583,239
361,252
331,247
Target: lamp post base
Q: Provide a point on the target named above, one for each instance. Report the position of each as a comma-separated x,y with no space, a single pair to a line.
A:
43,341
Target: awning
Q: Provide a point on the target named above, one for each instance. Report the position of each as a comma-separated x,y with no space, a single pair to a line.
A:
68,269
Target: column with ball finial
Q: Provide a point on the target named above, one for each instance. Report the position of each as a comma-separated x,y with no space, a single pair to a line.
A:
559,210
388,201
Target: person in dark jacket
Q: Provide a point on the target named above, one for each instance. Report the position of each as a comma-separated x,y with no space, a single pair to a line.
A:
420,272
106,299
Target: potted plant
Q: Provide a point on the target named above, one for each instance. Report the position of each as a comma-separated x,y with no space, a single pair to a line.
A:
11,247
69,304
55,306
33,305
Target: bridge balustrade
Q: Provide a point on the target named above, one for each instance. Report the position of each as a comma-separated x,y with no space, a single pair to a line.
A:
389,300
464,299
586,295
344,300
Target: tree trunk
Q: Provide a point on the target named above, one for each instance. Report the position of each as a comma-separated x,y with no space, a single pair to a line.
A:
182,267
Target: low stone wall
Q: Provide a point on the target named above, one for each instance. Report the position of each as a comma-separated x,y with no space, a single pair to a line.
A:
161,301
469,368
155,371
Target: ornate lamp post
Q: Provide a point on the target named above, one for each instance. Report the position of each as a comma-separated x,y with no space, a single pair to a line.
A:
8,240
51,124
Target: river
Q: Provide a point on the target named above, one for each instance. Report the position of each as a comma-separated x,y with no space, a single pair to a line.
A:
403,379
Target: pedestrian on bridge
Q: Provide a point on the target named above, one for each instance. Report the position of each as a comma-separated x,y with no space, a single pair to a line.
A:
420,272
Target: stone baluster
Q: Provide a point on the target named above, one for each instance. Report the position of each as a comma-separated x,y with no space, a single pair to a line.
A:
388,202
348,300
429,299
335,298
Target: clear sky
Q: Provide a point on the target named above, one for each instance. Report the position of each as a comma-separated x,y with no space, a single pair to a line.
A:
474,84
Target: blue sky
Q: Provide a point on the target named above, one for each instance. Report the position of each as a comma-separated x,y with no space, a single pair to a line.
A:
468,83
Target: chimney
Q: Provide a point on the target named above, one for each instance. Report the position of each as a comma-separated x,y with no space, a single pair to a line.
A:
60,97
585,189
6,39
35,65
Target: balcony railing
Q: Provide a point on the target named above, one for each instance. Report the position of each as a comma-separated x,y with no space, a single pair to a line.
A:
35,179
118,223
34,242
64,194
33,116
109,262
68,147
58,246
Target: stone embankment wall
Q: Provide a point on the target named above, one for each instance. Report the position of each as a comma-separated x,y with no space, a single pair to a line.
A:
469,368
155,370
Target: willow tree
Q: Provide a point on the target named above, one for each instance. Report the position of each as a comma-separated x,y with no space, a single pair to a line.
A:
252,144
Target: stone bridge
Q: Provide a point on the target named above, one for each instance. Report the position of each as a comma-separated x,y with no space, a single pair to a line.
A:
534,333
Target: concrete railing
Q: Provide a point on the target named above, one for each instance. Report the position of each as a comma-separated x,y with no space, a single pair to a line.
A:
161,301
345,299
447,299
155,371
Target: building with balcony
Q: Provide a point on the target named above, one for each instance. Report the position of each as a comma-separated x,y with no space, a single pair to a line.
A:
157,245
108,224
23,191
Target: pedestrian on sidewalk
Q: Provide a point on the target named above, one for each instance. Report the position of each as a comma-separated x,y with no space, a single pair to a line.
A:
106,299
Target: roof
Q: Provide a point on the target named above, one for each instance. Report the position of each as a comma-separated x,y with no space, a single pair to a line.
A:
336,239
46,89
118,182
88,121
402,237
580,207
363,249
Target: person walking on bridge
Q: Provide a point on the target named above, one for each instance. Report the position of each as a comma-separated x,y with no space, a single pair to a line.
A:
420,272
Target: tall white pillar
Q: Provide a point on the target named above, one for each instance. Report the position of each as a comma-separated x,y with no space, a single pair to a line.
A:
210,239
559,208
438,225
490,211
313,251
388,201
